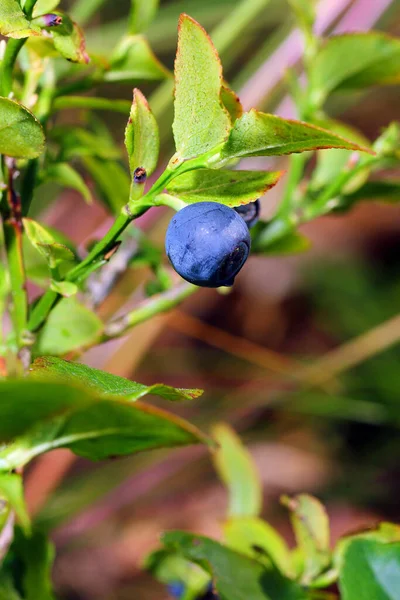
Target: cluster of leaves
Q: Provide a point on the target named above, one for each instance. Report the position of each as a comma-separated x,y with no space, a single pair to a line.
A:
63,404
255,561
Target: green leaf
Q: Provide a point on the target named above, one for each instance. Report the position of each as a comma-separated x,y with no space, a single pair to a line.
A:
201,121
168,567
142,14
65,175
112,181
69,40
50,367
311,528
91,103
354,60
261,134
40,416
141,135
260,541
7,589
37,555
370,570
232,188
21,134
332,162
12,490
13,22
64,288
377,191
236,469
69,326
133,59
43,7
231,102
76,142
292,242
235,576
54,252
305,13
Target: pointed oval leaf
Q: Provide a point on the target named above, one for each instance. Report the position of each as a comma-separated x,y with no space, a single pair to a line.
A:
232,103
142,14
261,134
236,469
311,527
13,22
50,367
370,569
142,139
134,59
235,576
21,134
69,40
201,121
355,60
40,416
232,188
70,326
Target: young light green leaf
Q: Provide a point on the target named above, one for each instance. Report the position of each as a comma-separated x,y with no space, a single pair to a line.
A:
370,569
50,367
43,7
70,326
21,134
12,491
311,527
260,541
13,22
169,568
141,135
354,60
69,40
236,469
201,121
261,134
54,252
133,59
232,188
111,180
67,176
235,576
332,162
142,14
232,103
64,288
40,416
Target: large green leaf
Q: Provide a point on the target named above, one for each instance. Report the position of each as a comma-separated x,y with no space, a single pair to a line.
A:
141,135
50,367
13,22
69,40
11,490
227,187
261,134
370,570
235,576
355,60
142,14
237,470
42,415
69,326
257,539
21,134
133,59
311,527
201,121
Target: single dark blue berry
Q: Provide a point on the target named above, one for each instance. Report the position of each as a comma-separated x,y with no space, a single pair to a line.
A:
207,244
250,213
176,589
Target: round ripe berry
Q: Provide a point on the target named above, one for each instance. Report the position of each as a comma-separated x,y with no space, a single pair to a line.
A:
207,244
250,213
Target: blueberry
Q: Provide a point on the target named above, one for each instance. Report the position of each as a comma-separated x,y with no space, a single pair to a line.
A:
176,589
207,244
249,212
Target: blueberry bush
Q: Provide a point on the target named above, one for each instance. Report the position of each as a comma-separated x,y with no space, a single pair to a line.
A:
48,399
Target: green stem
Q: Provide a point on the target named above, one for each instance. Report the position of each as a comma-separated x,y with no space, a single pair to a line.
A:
148,309
19,305
28,7
7,65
